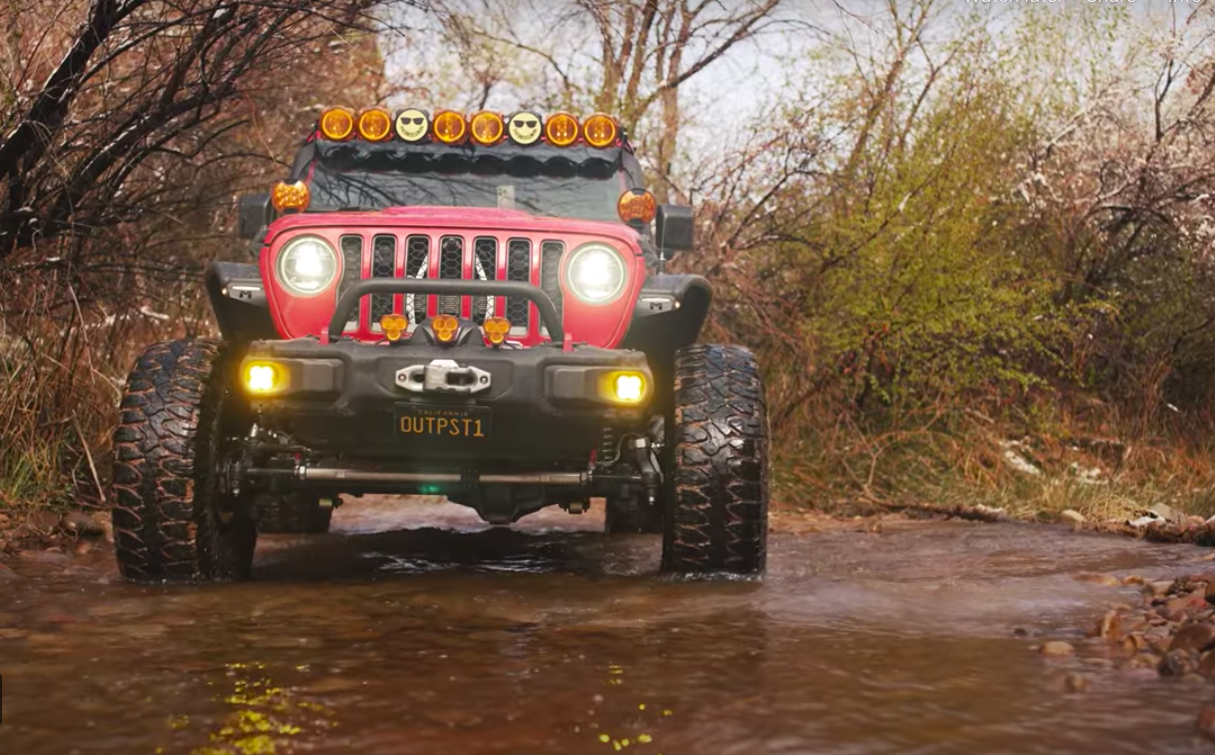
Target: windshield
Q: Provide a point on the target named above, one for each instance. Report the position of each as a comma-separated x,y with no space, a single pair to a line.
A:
561,187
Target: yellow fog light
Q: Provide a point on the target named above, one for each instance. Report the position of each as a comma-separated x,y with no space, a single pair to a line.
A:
263,377
626,387
394,326
445,327
496,329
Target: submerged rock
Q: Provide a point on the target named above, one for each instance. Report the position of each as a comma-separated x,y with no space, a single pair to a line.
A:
1057,649
83,523
1105,580
1206,721
1075,682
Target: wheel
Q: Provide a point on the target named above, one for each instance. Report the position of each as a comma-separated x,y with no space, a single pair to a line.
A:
171,522
630,514
294,513
716,465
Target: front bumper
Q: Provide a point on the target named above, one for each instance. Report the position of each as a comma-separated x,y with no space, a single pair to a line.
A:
415,401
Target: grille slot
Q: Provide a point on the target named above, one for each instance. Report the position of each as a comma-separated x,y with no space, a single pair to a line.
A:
451,267
383,265
485,267
352,270
417,257
518,268
550,271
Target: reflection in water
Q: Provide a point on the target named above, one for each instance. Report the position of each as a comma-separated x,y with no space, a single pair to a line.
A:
264,715
461,638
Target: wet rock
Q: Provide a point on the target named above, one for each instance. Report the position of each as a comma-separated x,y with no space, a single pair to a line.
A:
1075,682
83,523
1057,649
1206,665
1210,592
1177,663
43,557
1110,627
1160,589
1196,636
1164,511
1177,609
1071,516
5,522
1105,580
7,573
1206,721
1134,579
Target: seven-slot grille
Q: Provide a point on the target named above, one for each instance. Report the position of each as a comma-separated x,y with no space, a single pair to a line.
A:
451,257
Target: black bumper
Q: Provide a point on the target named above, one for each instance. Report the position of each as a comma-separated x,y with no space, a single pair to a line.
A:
543,404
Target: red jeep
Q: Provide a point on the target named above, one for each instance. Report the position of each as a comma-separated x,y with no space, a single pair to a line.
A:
474,307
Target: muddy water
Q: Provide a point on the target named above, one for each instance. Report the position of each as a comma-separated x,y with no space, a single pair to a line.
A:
419,630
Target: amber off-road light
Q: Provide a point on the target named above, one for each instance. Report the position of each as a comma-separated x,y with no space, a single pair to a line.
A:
264,377
600,130
293,196
487,128
624,387
445,327
337,123
449,127
561,129
393,326
375,124
637,206
496,329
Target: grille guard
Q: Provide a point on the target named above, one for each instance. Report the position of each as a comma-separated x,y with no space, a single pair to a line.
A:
349,300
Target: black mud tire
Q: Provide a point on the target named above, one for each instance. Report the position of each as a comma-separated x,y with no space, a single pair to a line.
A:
293,514
171,522
716,467
628,515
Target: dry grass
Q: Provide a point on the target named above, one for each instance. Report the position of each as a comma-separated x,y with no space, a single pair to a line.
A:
1097,464
63,363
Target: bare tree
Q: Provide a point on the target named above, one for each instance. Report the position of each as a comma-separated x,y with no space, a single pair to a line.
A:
126,129
139,81
626,57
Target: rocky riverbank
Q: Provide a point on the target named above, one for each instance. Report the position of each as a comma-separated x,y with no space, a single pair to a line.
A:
49,537
1169,632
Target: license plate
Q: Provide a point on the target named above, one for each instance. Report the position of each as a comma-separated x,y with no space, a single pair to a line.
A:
459,422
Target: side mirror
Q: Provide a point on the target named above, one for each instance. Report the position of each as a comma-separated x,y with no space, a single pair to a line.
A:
673,229
254,215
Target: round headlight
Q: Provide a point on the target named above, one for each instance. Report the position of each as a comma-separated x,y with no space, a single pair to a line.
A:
596,273
307,265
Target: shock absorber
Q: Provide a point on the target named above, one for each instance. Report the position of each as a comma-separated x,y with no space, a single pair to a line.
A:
644,458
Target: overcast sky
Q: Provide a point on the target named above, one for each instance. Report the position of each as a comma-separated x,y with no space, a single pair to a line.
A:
753,75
